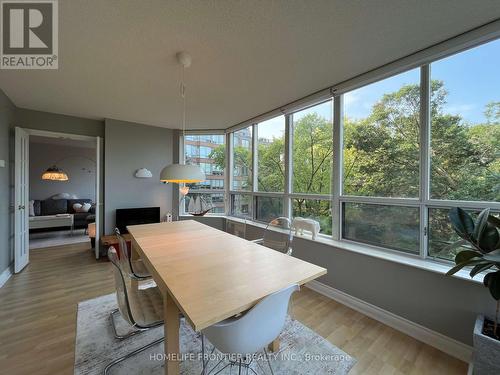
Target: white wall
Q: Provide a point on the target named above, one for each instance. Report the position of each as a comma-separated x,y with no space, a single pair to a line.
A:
73,160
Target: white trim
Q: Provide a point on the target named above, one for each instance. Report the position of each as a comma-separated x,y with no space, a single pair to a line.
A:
4,276
435,339
51,134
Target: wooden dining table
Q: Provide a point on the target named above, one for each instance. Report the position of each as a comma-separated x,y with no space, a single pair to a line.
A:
209,275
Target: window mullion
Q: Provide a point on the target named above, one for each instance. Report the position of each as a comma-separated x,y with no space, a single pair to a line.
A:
287,203
425,138
228,172
337,164
255,173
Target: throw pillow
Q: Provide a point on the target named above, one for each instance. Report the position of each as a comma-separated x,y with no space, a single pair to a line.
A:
32,208
77,207
85,207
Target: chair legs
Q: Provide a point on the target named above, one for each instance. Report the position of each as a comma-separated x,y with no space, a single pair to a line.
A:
115,332
268,361
131,354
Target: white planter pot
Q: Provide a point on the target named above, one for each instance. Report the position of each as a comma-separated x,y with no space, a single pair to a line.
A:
486,351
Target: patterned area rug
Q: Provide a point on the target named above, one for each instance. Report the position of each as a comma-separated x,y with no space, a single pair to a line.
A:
302,351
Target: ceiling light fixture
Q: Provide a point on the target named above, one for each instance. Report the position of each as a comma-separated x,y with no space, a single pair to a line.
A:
182,173
54,174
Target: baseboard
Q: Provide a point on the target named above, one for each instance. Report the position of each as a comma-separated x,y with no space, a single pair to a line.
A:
439,341
4,276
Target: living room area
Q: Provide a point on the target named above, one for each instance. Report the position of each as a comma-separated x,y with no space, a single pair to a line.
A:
62,190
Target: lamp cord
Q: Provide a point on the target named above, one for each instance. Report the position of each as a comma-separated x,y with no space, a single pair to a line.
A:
183,95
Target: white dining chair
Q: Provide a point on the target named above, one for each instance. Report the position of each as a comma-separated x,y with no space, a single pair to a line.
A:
142,309
237,227
251,332
278,235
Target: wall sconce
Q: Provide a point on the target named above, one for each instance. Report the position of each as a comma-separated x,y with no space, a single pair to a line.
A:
143,173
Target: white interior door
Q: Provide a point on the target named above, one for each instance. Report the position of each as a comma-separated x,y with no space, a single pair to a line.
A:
98,203
21,191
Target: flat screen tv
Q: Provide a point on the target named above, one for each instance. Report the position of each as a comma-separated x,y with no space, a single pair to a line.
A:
136,216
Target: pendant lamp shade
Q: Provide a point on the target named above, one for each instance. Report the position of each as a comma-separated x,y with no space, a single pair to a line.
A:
54,174
182,174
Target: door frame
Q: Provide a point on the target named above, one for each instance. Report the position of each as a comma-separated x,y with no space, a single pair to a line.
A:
98,178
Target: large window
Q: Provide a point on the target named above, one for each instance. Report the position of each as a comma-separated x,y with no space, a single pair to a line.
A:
271,154
381,138
207,151
465,138
393,227
387,167
242,159
465,123
316,209
313,149
268,208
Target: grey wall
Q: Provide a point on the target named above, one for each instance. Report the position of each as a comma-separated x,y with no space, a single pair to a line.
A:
7,111
128,147
27,118
73,160
447,305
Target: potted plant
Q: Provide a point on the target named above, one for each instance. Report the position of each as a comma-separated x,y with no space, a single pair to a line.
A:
481,240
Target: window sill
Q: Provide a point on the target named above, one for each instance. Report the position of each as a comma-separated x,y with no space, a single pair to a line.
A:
388,255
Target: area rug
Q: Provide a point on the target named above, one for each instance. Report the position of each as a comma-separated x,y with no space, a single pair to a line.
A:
302,351
39,240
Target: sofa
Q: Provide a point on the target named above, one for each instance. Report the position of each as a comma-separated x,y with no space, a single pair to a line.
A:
51,206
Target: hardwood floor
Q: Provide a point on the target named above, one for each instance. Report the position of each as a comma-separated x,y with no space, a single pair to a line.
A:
38,321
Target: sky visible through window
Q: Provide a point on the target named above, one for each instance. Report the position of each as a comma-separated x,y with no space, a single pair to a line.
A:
462,82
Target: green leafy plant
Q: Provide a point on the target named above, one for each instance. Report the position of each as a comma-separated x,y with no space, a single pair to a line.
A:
481,240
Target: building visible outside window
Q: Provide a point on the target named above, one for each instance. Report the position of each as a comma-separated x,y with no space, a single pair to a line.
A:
208,152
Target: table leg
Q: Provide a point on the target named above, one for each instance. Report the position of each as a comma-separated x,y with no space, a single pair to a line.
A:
172,323
274,346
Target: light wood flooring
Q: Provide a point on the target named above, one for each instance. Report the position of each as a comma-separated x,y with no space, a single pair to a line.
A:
38,321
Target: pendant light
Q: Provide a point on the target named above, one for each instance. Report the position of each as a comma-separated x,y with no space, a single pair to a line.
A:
54,174
182,173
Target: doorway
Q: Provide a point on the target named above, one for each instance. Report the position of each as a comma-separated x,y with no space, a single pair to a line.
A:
57,192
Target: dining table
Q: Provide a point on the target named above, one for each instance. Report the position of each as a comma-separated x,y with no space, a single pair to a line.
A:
208,275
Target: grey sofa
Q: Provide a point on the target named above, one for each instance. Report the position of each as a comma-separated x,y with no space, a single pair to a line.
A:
64,206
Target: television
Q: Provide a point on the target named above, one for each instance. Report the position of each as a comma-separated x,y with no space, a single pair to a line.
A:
136,216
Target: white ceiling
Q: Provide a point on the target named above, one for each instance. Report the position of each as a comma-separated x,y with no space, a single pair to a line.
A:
117,57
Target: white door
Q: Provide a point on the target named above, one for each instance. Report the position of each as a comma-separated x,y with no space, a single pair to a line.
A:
98,196
21,191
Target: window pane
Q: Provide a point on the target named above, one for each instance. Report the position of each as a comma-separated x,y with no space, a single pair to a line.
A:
271,154
198,202
393,227
381,138
316,209
313,149
465,125
208,152
268,208
441,233
242,159
241,205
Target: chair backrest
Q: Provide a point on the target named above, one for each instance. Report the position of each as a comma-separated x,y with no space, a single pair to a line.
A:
254,330
238,228
121,281
278,235
125,262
